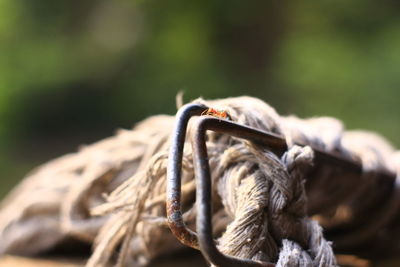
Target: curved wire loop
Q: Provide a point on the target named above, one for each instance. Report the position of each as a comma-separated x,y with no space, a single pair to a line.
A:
174,171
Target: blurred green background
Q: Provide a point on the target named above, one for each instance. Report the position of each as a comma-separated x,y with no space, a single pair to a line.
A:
71,72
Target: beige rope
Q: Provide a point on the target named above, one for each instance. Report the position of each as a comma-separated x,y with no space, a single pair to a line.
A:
112,193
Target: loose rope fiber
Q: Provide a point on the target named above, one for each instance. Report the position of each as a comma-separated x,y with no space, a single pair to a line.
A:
112,193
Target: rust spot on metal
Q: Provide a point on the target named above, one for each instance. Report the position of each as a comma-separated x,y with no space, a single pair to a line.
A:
178,227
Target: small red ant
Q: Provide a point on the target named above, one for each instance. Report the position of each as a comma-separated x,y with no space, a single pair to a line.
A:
216,113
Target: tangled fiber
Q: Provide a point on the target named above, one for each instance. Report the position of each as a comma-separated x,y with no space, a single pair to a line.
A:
112,193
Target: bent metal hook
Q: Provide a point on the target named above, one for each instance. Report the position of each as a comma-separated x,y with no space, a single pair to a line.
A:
204,241
174,171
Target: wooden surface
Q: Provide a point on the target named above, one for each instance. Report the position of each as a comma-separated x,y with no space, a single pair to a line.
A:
14,261
177,260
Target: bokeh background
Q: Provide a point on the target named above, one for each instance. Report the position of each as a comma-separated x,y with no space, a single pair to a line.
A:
73,71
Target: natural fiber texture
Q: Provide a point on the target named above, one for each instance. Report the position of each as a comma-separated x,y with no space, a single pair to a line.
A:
112,193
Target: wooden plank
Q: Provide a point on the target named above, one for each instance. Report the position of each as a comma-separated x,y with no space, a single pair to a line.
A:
15,261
